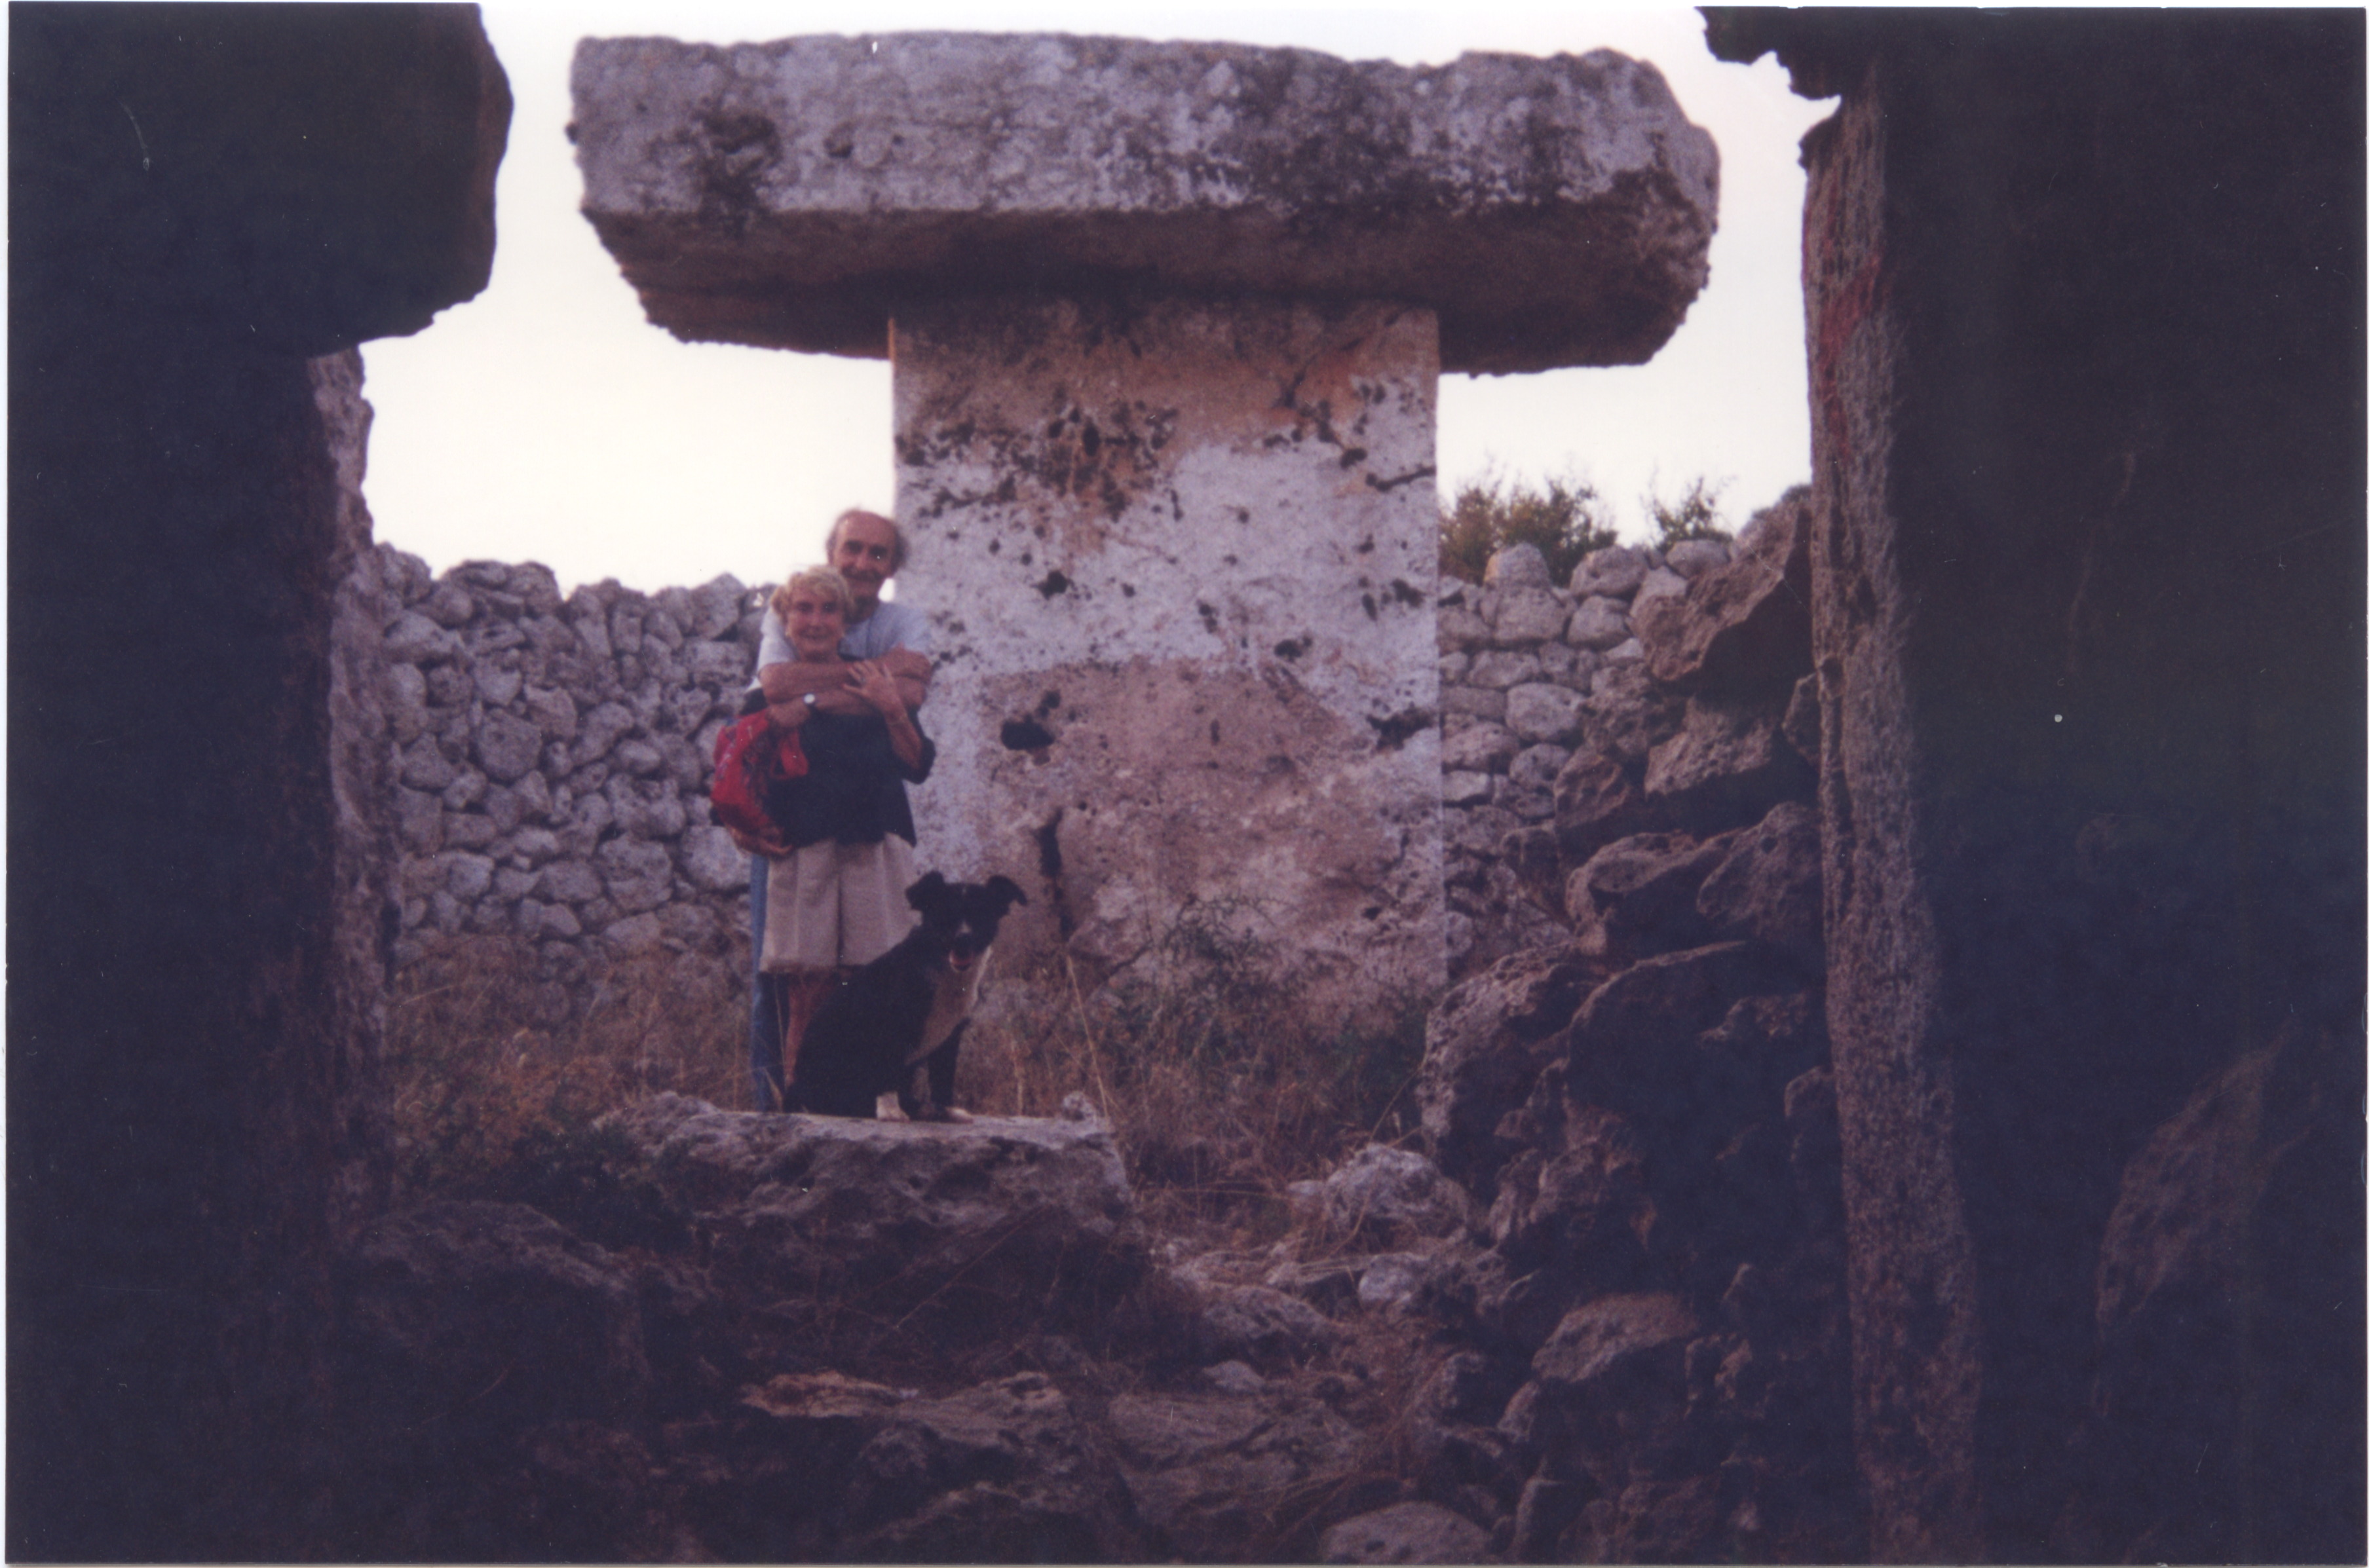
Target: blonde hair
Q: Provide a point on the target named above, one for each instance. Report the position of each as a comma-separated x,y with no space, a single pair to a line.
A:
814,579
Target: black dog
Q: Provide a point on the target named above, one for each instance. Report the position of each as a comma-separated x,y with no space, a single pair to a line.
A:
906,1008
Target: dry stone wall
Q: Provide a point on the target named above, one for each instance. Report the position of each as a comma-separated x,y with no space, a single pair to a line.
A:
1528,670
551,757
551,754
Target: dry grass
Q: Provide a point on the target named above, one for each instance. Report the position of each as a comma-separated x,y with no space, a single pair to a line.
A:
494,1057
1217,1101
491,1053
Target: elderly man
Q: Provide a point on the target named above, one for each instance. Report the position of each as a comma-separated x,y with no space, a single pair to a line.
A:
868,550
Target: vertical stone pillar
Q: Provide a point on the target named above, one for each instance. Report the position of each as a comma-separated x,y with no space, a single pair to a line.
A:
210,207
2084,301
1182,559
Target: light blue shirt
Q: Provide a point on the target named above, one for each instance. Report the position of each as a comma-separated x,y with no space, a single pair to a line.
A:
890,624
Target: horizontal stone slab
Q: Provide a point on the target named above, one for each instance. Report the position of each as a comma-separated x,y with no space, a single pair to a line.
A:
795,194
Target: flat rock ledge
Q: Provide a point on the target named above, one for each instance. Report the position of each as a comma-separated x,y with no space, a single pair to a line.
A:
1003,1208
795,194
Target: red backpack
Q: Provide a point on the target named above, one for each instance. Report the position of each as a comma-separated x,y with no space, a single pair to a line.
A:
750,757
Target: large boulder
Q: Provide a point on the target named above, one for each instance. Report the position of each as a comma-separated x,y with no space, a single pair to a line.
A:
1742,625
1727,764
1487,1041
1206,1473
1637,897
495,1307
981,1225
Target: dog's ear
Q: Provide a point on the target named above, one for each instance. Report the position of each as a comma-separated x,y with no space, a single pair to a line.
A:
922,893
1008,890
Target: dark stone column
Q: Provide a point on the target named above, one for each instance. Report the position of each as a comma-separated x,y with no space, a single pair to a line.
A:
201,199
2085,310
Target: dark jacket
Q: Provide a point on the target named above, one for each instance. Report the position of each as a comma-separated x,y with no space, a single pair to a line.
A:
853,791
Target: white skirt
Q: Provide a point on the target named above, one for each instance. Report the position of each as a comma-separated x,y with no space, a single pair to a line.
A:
831,905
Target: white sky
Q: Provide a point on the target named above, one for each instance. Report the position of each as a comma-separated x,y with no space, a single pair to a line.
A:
546,420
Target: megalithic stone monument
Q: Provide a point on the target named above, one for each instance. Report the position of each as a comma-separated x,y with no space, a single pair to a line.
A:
1166,322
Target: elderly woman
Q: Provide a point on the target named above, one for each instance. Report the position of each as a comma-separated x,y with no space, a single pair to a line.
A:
837,871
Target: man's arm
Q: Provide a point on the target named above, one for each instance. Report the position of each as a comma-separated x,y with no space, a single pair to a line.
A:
911,672
832,685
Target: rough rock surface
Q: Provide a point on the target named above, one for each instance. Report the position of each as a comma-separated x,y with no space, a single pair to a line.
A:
2053,614
1181,557
903,1216
1642,1099
795,194
1405,1532
208,208
1606,748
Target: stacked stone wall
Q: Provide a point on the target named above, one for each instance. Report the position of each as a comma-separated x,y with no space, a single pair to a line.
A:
551,757
1523,663
551,753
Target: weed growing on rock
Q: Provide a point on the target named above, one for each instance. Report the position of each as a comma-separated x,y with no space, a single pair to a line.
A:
1693,515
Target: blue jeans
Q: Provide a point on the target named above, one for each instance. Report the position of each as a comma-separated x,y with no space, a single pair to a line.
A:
764,1005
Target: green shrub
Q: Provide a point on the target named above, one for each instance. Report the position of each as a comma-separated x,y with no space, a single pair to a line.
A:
1566,520
1694,515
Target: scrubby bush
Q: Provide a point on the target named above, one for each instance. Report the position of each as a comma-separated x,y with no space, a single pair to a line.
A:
1693,515
1566,520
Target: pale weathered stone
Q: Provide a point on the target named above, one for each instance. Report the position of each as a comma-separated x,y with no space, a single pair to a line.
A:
711,862
1542,714
1517,567
1466,788
1690,558
895,1212
1461,626
1615,572
1482,749
1182,559
1500,668
1385,1193
1600,621
1405,1532
1552,211
1526,616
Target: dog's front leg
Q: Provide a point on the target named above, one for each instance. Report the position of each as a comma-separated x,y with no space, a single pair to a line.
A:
939,1067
